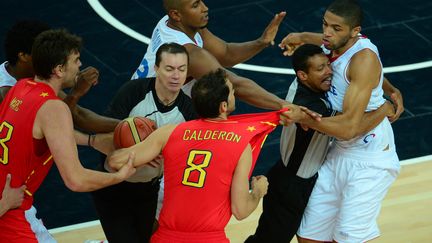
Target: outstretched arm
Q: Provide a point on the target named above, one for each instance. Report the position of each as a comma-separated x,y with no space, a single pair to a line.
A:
243,202
230,54
53,121
293,40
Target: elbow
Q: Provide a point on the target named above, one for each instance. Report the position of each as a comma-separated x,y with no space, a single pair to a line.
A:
238,213
348,132
75,185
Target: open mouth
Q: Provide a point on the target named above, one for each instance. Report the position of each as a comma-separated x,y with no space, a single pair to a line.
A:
327,81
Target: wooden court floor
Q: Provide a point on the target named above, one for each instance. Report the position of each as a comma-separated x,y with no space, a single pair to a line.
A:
406,215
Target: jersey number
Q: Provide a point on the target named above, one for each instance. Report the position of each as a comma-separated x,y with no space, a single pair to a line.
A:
195,175
5,128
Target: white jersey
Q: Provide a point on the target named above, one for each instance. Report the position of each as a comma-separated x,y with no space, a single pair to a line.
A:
5,78
162,34
381,137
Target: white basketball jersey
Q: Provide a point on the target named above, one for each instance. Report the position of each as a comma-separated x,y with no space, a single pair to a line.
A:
5,78
162,34
381,137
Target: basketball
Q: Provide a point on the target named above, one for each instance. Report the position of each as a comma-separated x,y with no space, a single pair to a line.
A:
132,130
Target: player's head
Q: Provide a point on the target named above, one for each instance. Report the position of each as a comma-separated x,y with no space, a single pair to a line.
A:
19,40
341,22
312,67
171,67
190,13
213,94
56,54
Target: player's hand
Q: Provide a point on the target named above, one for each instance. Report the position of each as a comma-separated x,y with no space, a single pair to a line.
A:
397,100
13,197
115,160
87,78
103,142
127,169
271,30
290,43
259,186
298,114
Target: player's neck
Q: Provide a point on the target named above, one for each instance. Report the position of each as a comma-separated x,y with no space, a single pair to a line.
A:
56,86
178,26
16,72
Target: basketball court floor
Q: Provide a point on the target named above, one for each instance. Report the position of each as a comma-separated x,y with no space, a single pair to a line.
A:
116,34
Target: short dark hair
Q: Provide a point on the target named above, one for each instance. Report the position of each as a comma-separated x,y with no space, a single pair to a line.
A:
350,10
20,38
52,48
300,58
172,48
208,92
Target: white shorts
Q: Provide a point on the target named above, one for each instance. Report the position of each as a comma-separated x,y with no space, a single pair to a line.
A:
347,196
37,226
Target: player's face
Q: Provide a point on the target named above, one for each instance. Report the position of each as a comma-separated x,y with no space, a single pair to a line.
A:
319,74
336,32
194,13
172,71
231,97
71,69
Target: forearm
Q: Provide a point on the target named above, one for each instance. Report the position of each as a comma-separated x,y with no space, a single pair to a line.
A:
253,94
240,52
311,38
372,119
338,126
89,180
389,88
90,121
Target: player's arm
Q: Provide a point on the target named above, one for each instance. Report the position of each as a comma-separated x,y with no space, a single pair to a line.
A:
293,40
230,54
84,118
201,62
54,122
145,151
3,92
11,197
243,202
396,97
363,69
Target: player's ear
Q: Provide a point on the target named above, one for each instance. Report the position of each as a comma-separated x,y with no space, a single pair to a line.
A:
223,107
355,31
174,14
302,75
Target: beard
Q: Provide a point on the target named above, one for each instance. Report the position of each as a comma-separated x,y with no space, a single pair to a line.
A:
204,26
341,43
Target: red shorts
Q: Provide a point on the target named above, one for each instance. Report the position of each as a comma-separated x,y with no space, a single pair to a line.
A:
15,228
163,235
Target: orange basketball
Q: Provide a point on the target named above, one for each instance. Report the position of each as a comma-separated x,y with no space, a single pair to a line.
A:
132,130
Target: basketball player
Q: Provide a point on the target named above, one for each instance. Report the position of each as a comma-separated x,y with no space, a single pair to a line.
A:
18,42
293,177
358,170
207,164
36,129
162,100
185,24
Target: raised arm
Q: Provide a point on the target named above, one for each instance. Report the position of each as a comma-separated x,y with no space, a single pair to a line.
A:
202,62
293,40
230,54
346,125
243,202
53,121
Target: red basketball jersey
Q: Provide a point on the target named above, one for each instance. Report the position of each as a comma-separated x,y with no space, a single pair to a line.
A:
200,158
28,160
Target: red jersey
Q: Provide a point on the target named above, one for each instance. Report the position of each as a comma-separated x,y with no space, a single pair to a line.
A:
200,158
28,160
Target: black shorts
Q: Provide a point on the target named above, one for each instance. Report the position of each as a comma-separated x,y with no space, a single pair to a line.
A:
283,206
127,210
